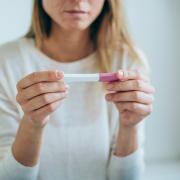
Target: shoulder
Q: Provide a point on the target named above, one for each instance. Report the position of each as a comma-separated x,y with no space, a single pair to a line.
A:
11,65
9,51
15,56
141,62
14,51
125,60
11,61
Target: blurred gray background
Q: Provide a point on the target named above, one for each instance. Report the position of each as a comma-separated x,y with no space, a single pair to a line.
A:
155,26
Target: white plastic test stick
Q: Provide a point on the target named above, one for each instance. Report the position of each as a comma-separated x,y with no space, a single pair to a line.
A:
101,77
81,77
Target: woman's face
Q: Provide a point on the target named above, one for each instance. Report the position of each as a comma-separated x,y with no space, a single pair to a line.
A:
73,14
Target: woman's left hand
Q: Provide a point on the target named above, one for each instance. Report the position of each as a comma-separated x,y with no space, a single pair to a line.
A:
132,95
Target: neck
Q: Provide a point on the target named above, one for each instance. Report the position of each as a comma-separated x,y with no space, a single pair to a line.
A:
66,46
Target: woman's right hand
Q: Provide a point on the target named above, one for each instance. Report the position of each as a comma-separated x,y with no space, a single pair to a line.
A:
40,94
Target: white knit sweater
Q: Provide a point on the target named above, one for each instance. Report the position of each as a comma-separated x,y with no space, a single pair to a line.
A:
79,139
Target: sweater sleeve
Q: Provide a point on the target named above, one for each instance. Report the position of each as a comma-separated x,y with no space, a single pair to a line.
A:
10,169
132,166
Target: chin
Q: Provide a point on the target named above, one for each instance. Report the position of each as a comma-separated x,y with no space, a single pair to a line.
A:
76,26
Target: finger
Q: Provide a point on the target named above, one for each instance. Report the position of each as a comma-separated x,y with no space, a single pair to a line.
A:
43,100
42,88
131,85
44,111
131,96
37,77
138,108
132,74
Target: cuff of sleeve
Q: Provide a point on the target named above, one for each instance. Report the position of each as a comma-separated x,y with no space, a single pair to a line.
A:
15,170
133,160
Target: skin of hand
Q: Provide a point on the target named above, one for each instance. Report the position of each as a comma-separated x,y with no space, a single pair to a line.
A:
133,96
40,94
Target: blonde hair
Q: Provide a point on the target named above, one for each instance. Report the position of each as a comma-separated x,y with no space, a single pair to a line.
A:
109,32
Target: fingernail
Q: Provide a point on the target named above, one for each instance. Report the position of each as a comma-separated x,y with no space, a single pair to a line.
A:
120,74
59,74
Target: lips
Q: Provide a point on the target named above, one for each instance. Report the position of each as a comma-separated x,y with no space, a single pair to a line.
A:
76,12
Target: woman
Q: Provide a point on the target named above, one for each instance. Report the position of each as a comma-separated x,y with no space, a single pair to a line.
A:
53,130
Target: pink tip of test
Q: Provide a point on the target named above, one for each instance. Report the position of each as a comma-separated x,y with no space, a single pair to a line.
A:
108,77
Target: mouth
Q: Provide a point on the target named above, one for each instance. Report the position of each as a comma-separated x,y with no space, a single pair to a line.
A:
76,12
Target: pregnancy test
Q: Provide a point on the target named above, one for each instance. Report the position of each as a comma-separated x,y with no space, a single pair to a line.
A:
98,77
